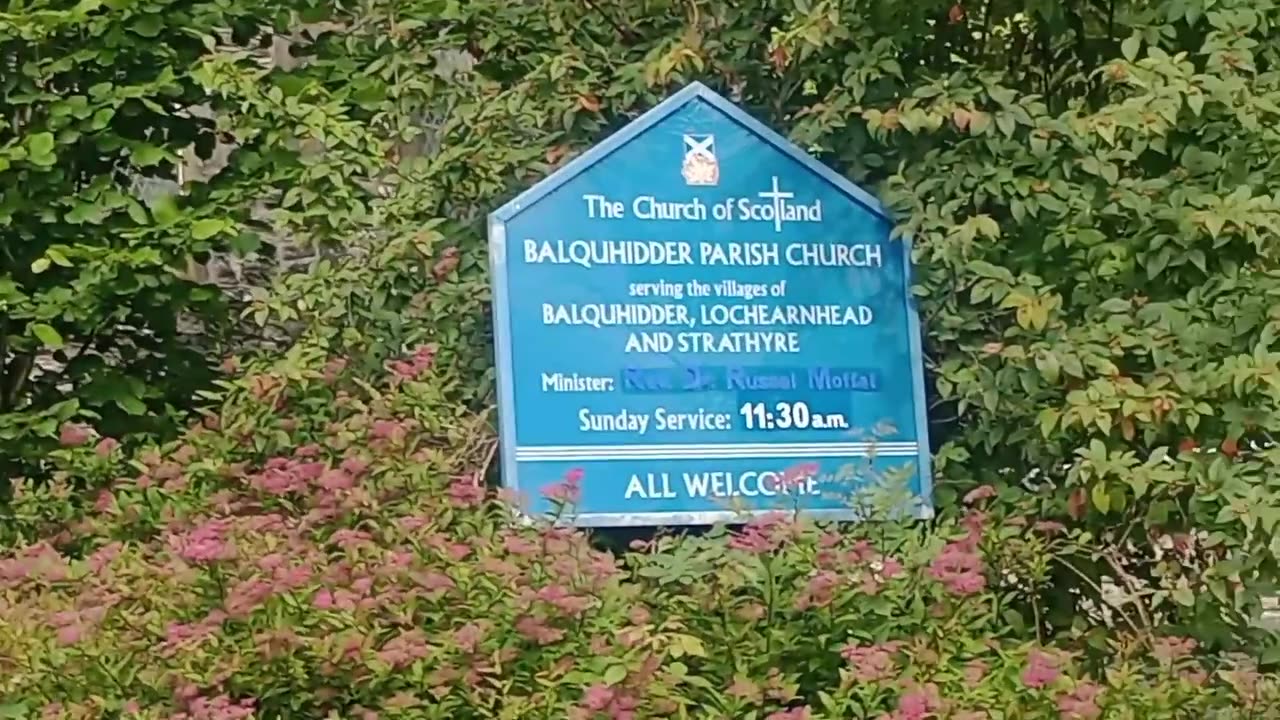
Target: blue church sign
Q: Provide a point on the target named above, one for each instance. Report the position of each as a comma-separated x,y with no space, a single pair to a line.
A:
705,322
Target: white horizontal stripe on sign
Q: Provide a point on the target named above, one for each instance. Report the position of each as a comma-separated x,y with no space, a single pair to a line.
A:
550,453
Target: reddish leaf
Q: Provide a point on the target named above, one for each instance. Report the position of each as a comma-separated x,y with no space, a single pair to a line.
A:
1126,427
779,57
1230,447
1187,445
1077,503
589,102
448,261
956,14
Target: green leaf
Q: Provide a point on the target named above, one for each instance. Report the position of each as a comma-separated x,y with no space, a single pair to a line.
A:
691,645
985,269
1101,497
148,26
207,228
1198,259
245,243
165,210
1195,101
1116,305
1156,263
17,711
102,118
146,154
137,213
40,265
40,149
1049,367
47,335
1048,420
1131,46
1007,123
1214,224
615,674
131,405
40,143
987,226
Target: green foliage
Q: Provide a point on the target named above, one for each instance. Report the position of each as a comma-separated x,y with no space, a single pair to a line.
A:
1090,192
319,546
1089,188
99,315
95,99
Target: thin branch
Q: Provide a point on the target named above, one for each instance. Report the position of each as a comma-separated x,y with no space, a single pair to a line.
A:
1101,595
627,34
1133,592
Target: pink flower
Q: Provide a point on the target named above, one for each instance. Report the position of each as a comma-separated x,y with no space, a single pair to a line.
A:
101,558
567,491
918,704
336,480
387,430
1041,670
292,578
820,591
517,545
404,649
465,492
323,599
207,543
106,502
763,533
270,562
246,595
347,538
106,446
796,475
70,634
355,466
537,631
1081,703
434,581
468,637
874,663
278,481
983,492
597,697
959,569
74,434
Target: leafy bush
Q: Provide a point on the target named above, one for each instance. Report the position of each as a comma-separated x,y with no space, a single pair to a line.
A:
1090,188
105,104
322,547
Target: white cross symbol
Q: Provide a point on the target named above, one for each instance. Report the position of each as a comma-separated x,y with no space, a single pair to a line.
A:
777,196
693,146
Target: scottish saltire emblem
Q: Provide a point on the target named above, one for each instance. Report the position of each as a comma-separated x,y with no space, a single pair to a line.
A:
700,164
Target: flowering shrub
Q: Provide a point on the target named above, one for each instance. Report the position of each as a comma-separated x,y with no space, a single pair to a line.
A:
325,547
